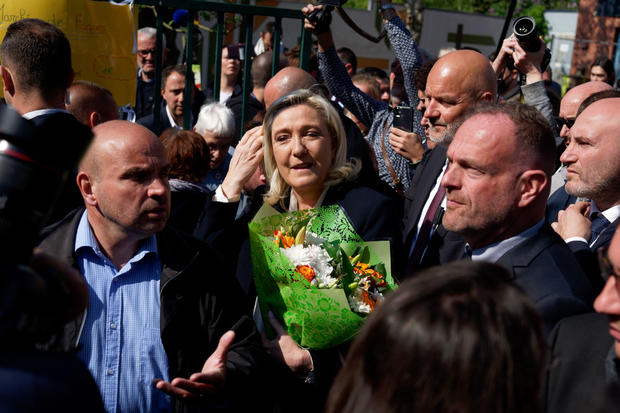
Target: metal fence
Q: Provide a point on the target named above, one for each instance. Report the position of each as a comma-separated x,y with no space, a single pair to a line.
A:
194,6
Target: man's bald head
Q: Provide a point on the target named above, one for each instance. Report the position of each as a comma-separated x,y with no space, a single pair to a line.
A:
286,81
456,83
471,69
91,104
574,98
112,138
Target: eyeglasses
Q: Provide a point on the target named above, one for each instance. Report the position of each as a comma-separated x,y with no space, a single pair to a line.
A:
146,52
606,268
562,121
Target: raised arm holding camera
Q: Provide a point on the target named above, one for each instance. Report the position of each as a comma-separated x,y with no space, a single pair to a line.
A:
531,62
394,167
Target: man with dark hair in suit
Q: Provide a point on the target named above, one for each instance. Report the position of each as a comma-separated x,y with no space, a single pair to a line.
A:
584,373
593,172
173,92
36,72
497,183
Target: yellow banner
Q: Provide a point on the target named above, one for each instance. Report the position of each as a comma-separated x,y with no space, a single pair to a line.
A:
101,36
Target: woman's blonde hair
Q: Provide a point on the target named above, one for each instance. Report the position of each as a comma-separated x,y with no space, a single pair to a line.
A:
340,170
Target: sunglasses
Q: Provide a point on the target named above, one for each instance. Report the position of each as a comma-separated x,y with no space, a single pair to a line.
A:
607,269
146,52
564,122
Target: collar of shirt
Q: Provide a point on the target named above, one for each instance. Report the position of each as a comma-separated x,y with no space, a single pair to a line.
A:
171,119
142,79
85,238
40,112
494,252
611,214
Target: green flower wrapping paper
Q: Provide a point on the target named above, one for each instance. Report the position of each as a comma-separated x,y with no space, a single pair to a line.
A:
316,318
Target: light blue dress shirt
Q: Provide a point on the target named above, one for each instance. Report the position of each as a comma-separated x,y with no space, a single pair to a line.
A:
120,339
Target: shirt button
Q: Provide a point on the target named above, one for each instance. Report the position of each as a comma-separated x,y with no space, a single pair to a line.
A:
113,326
110,372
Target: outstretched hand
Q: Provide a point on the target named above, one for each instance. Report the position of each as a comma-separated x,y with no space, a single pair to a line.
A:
207,382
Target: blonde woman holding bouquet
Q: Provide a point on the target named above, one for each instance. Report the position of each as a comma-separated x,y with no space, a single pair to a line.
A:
303,145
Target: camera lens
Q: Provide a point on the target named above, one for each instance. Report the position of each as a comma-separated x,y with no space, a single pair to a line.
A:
524,27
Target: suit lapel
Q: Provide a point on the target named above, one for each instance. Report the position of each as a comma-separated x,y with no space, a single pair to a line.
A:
423,182
524,253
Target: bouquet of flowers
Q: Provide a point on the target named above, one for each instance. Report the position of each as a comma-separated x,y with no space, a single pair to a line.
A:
312,268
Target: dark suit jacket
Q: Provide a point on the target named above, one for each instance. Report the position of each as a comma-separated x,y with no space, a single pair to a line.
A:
586,255
149,121
576,376
444,246
549,274
65,135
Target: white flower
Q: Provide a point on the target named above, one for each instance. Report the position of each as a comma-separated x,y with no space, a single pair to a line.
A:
314,256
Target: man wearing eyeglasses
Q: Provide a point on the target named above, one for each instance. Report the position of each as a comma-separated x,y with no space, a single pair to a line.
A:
569,106
583,374
592,172
145,56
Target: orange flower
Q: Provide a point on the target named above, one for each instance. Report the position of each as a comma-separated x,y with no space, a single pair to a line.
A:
306,271
283,240
367,300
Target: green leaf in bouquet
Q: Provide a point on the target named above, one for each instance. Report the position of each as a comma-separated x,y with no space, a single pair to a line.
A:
349,277
333,249
365,255
380,268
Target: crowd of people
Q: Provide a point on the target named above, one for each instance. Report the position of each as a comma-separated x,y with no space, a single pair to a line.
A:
500,208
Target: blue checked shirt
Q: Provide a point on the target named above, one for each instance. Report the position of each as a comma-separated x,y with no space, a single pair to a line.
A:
121,342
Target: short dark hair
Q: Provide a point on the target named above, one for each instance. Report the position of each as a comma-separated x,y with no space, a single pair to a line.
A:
168,70
607,66
348,56
603,94
456,338
87,97
419,79
533,131
376,72
188,155
38,55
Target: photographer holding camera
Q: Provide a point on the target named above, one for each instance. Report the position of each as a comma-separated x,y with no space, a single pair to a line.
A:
394,162
530,65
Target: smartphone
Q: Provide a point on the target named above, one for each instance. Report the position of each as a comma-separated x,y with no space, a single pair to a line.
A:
403,118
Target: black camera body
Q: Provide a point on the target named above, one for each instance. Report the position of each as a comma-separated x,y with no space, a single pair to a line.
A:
526,32
322,18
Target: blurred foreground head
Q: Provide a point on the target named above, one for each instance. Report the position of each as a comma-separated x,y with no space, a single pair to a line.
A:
456,338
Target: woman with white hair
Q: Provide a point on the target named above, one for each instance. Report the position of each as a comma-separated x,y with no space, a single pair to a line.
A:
216,125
